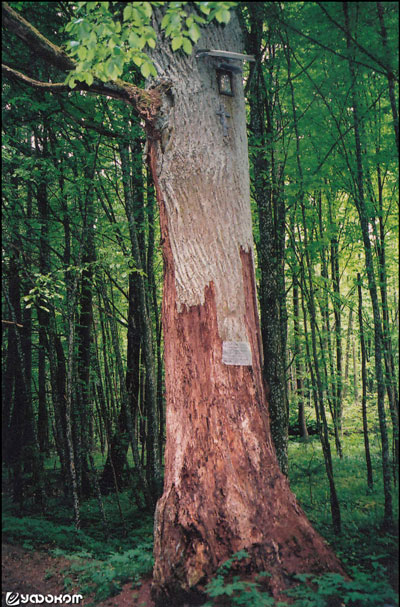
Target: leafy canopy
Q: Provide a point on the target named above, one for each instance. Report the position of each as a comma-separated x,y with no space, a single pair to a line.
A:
106,37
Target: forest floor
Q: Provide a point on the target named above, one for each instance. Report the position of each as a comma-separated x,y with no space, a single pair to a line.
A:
37,572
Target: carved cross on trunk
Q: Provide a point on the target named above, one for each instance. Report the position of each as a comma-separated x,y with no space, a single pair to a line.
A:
223,115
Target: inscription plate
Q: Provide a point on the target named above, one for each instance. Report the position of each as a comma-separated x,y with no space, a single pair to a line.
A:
236,353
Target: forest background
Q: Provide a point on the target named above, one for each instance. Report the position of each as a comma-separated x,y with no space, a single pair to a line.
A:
83,424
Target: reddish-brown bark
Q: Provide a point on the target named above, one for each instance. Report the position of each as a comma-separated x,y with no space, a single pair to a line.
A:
223,490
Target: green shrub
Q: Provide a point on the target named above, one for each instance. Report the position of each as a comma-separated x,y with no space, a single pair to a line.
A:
35,532
97,568
332,589
236,592
328,590
104,578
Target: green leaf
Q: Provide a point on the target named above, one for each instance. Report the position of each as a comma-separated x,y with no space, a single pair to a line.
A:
187,46
203,7
147,9
138,60
112,70
165,21
222,15
127,11
194,32
145,69
177,43
82,52
134,40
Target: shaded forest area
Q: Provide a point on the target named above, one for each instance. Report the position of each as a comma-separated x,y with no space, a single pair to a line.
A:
83,402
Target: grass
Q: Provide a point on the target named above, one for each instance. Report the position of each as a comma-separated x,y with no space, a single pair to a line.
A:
104,559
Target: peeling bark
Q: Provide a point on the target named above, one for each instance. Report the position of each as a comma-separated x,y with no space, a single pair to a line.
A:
223,489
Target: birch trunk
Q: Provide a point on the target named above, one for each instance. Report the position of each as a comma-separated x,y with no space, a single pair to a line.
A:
223,489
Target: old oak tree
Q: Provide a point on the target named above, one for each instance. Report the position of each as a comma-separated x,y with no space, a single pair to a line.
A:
223,488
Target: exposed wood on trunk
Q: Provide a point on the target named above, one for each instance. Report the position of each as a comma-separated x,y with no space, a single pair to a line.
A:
223,489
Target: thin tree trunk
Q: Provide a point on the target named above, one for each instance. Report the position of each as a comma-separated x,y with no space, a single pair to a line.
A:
355,375
71,301
147,337
118,446
334,502
298,366
104,414
270,205
347,353
390,74
362,212
147,491
390,368
364,388
43,317
325,339
338,380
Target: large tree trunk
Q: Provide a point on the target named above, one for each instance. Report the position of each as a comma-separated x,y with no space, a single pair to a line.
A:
223,489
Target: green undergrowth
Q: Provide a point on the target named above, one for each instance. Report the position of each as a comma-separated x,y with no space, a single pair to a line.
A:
104,578
329,590
103,558
363,541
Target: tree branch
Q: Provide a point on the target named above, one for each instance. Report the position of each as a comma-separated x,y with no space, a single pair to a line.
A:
364,50
146,103
123,91
19,77
35,40
327,48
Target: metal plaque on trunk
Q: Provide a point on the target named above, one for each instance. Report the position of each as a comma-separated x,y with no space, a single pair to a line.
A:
236,353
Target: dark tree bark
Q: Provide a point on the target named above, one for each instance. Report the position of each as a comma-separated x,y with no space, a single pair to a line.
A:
42,313
116,458
390,367
370,480
300,392
153,459
15,430
390,73
267,192
84,332
330,383
338,405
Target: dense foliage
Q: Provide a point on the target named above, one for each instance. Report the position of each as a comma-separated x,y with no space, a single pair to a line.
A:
83,403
